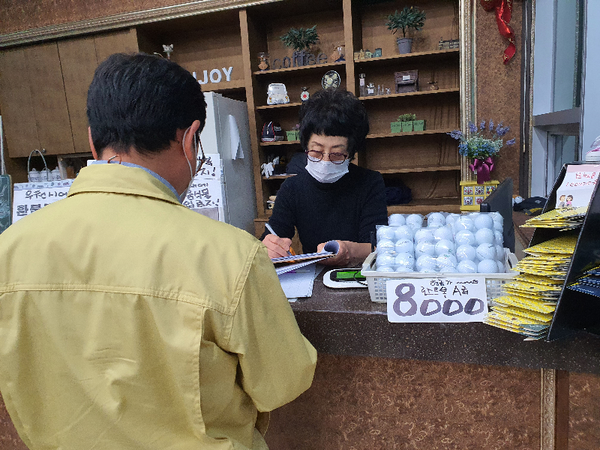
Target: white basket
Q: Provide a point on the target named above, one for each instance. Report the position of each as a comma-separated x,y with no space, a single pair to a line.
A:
376,281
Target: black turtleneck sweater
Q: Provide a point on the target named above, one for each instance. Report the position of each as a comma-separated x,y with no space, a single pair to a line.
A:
346,210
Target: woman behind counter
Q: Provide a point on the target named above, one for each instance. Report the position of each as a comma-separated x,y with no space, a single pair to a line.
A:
332,199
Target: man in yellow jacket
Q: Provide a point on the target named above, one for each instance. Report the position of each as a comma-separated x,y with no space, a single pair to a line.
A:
128,321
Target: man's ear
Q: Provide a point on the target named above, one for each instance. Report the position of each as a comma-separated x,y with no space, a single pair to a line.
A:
92,148
188,146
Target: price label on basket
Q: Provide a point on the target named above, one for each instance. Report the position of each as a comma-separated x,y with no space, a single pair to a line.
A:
442,300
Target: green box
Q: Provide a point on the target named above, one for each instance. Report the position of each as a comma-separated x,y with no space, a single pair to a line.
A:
396,127
407,127
418,125
293,135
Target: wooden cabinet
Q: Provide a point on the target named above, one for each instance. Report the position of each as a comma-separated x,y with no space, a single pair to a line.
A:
222,48
425,161
43,91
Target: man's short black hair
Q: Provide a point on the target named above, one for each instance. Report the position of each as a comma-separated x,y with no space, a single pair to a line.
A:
139,101
335,112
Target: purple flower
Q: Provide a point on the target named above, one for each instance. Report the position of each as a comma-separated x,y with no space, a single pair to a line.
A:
456,134
491,127
482,125
511,141
472,127
502,131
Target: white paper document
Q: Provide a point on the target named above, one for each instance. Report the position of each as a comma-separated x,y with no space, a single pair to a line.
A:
299,283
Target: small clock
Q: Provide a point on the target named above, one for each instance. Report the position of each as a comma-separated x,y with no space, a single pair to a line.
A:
331,79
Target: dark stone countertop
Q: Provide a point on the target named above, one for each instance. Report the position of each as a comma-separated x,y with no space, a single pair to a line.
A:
347,322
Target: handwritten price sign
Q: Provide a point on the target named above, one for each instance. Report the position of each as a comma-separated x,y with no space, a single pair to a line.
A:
441,300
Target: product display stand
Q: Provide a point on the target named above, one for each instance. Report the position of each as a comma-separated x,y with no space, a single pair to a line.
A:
575,311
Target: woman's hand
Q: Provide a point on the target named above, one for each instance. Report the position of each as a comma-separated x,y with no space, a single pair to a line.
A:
351,254
277,247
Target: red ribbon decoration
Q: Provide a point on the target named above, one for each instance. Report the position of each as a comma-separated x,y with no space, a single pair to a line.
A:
503,14
482,167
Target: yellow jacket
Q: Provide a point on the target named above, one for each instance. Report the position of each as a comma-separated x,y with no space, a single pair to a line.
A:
128,321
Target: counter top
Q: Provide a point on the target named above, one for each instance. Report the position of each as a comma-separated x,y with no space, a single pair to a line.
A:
347,322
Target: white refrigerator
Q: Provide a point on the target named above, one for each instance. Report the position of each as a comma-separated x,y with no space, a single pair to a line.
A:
224,188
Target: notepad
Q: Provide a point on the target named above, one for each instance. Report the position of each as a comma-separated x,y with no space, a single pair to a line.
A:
288,263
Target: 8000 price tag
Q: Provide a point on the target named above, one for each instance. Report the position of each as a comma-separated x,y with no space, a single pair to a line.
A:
437,300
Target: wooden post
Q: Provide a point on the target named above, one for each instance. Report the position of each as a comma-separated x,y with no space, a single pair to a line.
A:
554,410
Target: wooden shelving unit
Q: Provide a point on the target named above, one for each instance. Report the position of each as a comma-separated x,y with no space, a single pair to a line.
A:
427,162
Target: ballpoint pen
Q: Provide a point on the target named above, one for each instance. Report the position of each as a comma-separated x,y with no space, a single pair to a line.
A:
272,231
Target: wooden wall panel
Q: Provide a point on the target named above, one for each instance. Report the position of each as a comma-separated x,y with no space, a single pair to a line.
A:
19,15
499,85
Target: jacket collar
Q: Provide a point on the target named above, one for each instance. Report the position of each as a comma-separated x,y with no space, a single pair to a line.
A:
119,179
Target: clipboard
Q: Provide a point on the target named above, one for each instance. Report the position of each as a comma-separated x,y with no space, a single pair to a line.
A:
288,263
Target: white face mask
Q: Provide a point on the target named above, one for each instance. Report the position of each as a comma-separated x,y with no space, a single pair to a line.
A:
192,174
326,171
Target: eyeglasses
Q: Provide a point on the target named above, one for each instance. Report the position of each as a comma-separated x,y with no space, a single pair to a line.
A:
335,158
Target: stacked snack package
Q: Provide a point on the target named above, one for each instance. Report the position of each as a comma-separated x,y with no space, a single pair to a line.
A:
528,304
442,243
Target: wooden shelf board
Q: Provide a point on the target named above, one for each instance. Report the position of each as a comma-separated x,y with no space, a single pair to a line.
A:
451,51
420,169
412,133
270,144
423,206
281,105
411,94
295,69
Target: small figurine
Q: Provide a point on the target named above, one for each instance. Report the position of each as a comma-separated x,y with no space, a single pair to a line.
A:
304,95
168,49
263,58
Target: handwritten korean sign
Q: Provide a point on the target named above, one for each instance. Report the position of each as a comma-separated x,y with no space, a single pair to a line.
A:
29,197
206,190
442,300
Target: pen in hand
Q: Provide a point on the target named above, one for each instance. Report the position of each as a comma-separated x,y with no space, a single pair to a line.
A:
272,231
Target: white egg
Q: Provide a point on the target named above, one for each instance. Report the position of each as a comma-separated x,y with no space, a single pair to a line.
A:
423,234
467,252
443,233
484,236
444,246
396,220
501,268
387,259
436,217
499,238
414,221
499,252
405,246
405,260
483,220
498,226
486,251
451,218
467,266
426,262
464,237
385,232
385,244
404,232
424,248
445,261
487,266
464,223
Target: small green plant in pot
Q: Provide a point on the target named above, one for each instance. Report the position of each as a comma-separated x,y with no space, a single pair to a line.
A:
409,17
300,40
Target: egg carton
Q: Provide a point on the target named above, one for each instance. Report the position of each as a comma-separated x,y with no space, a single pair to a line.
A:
376,281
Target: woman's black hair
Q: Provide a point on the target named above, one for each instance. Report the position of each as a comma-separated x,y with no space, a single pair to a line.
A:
335,112
139,101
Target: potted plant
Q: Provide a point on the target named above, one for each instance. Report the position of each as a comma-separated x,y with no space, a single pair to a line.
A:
481,146
409,17
419,125
404,124
300,40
